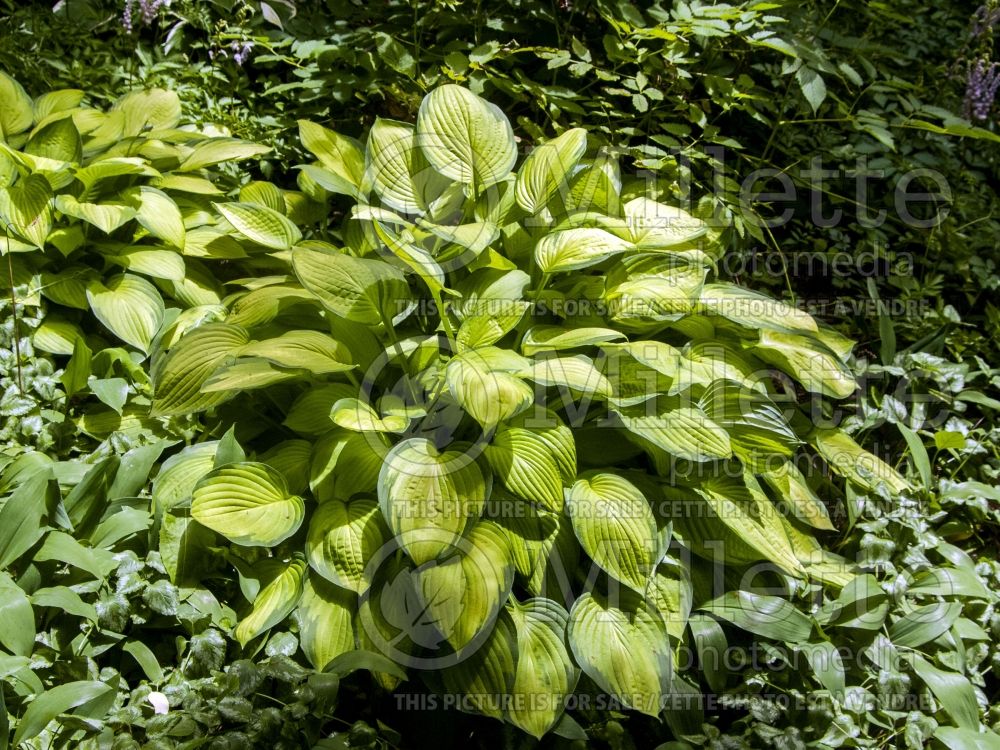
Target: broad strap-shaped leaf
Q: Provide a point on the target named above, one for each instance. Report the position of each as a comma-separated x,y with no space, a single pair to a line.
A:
488,392
360,289
615,526
105,216
464,137
545,672
307,350
260,224
275,600
429,498
809,361
216,150
656,226
60,699
179,377
533,456
757,429
625,649
854,463
754,310
339,154
765,616
326,621
572,249
547,168
682,431
462,594
248,503
342,538
578,373
128,306
546,338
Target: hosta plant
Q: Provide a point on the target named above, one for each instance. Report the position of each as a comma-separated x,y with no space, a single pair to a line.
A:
117,221
505,428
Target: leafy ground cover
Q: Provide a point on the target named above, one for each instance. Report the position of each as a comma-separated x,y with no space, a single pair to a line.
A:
367,369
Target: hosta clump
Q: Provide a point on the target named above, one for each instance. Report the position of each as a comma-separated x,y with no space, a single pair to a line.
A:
494,417
118,220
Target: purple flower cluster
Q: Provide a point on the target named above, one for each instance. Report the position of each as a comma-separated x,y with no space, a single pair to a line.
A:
148,10
981,87
241,51
984,19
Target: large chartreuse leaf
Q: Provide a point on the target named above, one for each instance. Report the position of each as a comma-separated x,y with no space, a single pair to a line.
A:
681,430
346,463
757,429
178,377
342,538
577,373
487,392
276,598
463,593
656,226
105,216
794,492
216,150
809,361
754,310
261,224
248,503
429,498
572,249
15,107
547,169
545,674
853,462
307,350
178,475
128,306
623,647
158,214
360,289
326,620
615,526
397,171
154,109
25,206
485,678
341,156
533,456
464,137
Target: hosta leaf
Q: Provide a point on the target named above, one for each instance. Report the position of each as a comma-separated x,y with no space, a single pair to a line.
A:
625,649
105,216
326,621
216,150
52,102
463,593
572,249
58,140
809,361
154,109
656,226
346,463
274,602
307,350
129,307
464,137
547,167
179,474
357,416
556,338
578,373
615,526
757,428
342,538
260,224
310,414
265,194
791,487
765,616
397,171
359,289
754,310
853,462
531,461
341,155
489,395
246,375
56,336
485,678
25,206
248,503
429,498
682,431
189,364
157,212
545,674
292,458
15,107
597,187
671,594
